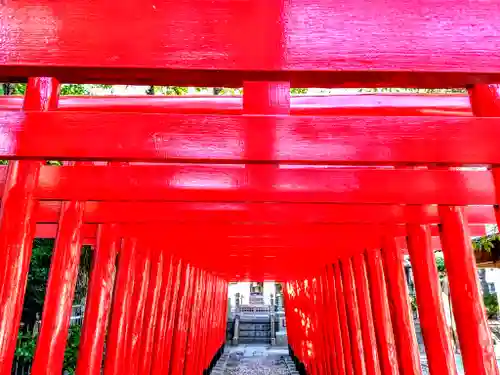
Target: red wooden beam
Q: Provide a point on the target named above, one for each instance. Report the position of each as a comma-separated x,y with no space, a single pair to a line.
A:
136,212
251,235
378,104
322,45
227,183
356,140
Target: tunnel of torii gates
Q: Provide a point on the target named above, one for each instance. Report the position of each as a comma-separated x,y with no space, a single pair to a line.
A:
178,196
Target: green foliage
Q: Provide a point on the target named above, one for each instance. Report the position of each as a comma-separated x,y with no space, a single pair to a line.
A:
12,88
82,281
74,90
486,243
168,90
413,303
20,89
440,264
219,90
25,349
26,343
298,91
34,300
39,274
37,280
54,162
440,267
491,304
71,352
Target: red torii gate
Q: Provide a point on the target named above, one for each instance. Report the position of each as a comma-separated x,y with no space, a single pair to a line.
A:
250,187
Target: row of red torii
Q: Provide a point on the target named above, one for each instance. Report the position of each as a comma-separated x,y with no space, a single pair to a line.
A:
178,196
324,194
261,216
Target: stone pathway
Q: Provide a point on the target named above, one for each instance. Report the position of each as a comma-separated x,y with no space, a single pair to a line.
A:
255,360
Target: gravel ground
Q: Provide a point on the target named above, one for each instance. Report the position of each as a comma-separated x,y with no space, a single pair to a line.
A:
255,360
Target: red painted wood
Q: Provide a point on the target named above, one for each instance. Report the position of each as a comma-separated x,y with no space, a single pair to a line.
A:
285,184
350,140
196,342
477,347
123,212
353,317
440,356
251,233
17,230
151,312
193,330
207,300
311,44
89,231
117,340
17,227
378,104
160,360
207,353
51,343
98,303
333,312
320,337
178,268
485,102
468,308
137,307
381,313
365,314
182,313
325,322
397,291
344,329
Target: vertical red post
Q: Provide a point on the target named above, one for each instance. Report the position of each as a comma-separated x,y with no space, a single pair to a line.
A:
344,328
318,337
264,98
194,331
468,308
333,315
116,348
213,328
201,327
381,313
151,312
138,305
437,342
17,227
327,322
204,358
353,317
485,102
49,354
404,329
181,321
365,315
161,357
99,296
178,279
